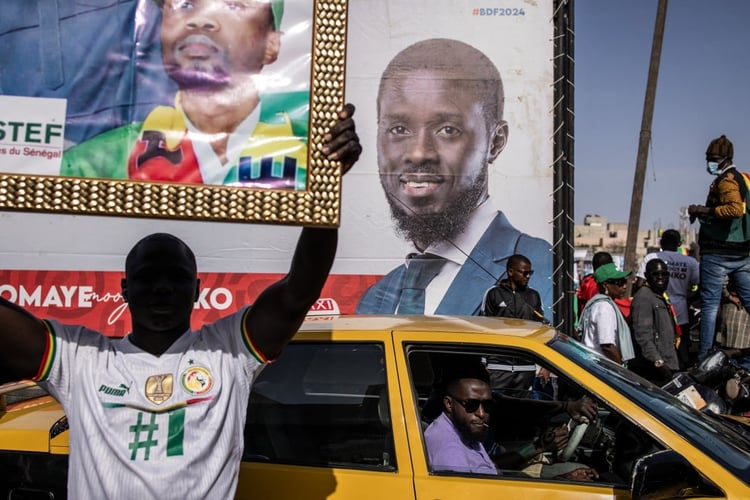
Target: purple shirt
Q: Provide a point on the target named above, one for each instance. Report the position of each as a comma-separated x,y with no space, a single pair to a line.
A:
447,450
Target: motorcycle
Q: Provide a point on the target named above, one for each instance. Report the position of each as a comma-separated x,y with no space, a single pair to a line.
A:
719,384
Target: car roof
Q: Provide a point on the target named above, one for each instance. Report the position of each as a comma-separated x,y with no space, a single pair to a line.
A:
432,323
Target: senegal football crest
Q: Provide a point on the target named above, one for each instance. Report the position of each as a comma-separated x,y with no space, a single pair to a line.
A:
159,388
196,380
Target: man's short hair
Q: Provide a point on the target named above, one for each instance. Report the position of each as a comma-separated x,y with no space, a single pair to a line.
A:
461,367
651,265
670,239
516,259
277,11
455,59
601,258
159,237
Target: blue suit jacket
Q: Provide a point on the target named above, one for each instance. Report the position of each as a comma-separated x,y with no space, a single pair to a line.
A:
91,52
483,267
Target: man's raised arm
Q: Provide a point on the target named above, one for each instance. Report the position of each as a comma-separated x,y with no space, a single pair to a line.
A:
22,342
280,309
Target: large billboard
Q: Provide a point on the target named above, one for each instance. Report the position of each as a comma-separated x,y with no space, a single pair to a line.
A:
455,114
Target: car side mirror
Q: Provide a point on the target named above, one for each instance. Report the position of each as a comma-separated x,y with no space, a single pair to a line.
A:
666,474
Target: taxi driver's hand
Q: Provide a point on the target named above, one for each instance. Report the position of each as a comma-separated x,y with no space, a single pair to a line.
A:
582,410
555,439
585,474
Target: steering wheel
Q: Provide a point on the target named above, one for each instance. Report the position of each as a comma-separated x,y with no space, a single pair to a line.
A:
576,435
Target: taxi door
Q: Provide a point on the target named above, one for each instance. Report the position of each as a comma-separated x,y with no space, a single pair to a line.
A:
433,485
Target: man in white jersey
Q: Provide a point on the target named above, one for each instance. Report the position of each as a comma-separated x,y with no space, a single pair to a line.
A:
160,413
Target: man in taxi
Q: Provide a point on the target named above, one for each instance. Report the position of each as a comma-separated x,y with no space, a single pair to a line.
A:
455,439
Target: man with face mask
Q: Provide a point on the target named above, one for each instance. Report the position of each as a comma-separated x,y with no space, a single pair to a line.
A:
654,327
724,238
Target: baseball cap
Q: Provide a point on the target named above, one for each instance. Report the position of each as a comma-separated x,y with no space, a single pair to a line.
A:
277,9
721,146
609,272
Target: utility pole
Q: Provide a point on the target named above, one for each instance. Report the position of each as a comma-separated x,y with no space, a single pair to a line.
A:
636,200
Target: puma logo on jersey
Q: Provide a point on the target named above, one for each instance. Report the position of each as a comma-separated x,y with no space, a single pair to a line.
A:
111,391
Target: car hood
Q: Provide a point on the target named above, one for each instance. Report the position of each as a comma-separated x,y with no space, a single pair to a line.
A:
31,420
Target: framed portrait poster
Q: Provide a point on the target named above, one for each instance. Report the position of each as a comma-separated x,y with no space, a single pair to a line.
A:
199,110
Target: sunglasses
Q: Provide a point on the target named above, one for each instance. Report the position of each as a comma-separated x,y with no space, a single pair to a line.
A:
618,282
472,405
525,274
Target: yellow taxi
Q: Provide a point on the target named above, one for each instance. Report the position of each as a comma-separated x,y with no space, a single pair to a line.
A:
342,415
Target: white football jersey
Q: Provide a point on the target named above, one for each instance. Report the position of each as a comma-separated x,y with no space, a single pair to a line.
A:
145,426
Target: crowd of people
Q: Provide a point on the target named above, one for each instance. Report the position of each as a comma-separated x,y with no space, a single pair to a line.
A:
646,330
672,292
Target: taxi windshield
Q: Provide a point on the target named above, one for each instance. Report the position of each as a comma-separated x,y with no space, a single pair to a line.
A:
725,440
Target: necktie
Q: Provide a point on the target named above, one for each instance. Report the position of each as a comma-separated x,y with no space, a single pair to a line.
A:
420,270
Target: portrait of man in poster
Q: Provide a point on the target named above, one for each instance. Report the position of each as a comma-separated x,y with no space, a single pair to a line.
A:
219,116
228,125
457,153
440,125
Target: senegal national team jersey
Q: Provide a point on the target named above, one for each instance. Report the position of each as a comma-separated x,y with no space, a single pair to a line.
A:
143,426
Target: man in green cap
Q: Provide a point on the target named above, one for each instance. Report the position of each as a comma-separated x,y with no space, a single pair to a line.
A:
602,326
227,126
724,238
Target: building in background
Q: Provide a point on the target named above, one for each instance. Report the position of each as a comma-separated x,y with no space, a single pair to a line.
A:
598,234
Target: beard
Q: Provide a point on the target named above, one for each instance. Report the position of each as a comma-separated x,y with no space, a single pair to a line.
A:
469,433
426,229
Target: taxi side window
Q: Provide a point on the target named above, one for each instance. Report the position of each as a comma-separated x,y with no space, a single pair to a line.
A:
524,391
324,405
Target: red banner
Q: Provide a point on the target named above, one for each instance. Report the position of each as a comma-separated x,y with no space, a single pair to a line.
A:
93,299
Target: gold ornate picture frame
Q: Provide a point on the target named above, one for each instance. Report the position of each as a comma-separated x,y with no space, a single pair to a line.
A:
319,204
